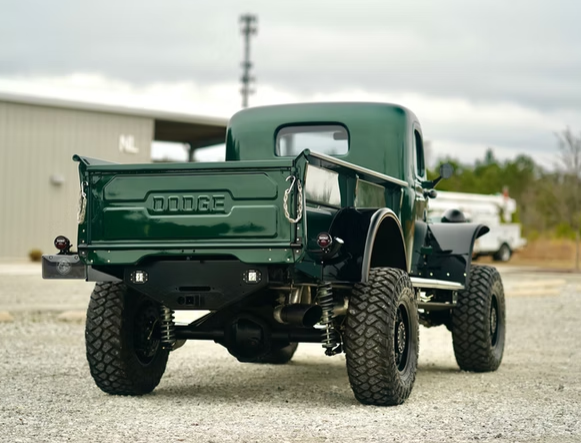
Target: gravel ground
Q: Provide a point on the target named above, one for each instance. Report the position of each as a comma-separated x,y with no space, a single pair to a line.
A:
47,394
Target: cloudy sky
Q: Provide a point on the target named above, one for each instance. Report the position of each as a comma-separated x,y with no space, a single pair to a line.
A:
478,74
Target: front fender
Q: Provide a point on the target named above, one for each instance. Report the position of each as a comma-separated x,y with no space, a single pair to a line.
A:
448,251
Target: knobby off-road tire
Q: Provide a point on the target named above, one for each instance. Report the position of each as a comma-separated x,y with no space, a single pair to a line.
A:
279,356
123,340
479,322
382,338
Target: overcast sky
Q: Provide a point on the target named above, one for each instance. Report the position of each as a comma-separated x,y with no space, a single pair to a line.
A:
495,73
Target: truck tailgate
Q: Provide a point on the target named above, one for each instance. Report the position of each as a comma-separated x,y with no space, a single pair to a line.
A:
172,207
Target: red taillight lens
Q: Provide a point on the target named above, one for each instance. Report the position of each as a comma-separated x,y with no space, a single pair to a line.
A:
324,240
62,243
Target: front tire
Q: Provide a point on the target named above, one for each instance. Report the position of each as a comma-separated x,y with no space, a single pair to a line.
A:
122,338
479,322
382,338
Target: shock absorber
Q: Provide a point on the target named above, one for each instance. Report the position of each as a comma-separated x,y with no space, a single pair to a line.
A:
330,341
168,328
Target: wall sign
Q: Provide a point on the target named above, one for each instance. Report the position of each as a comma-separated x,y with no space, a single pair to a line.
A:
127,144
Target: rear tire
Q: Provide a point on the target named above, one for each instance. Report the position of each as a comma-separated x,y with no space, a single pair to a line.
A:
122,338
280,356
382,338
503,254
479,322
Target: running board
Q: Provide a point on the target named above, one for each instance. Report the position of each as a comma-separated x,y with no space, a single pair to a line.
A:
418,282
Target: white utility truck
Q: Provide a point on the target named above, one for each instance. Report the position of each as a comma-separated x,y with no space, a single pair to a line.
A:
495,211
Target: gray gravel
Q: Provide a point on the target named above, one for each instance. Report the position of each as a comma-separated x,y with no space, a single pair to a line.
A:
47,394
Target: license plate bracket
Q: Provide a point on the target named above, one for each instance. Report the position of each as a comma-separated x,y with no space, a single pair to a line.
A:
63,266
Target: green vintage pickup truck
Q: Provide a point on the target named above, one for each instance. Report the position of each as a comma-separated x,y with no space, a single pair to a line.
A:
314,230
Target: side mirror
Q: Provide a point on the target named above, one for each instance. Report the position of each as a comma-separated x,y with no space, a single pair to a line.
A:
446,171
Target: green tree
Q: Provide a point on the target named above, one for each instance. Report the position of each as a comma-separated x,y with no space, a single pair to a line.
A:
530,185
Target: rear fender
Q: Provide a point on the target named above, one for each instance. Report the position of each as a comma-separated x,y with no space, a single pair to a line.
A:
384,245
448,251
371,238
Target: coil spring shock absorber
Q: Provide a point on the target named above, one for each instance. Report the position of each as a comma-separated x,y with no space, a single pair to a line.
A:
168,328
330,341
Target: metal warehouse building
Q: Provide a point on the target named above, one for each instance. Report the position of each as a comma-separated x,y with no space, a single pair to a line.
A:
39,186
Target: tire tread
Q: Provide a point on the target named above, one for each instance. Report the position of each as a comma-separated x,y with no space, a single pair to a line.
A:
470,327
374,378
106,347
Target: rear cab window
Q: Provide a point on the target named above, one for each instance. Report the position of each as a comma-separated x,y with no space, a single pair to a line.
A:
324,139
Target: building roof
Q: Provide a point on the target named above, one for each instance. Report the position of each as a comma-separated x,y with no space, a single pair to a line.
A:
197,130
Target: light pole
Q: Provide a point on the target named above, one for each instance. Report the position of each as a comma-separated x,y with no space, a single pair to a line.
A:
249,27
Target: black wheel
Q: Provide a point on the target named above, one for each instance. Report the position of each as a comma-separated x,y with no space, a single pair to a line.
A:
279,356
382,338
503,254
122,337
479,322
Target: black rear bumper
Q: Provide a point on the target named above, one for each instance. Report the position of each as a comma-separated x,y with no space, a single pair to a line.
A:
196,284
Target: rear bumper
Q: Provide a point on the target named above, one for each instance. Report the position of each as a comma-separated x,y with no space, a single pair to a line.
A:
196,284
61,266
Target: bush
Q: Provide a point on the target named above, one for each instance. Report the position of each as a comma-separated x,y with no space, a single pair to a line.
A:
564,231
532,235
35,255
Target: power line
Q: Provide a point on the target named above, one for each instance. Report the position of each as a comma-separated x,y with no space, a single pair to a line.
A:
249,28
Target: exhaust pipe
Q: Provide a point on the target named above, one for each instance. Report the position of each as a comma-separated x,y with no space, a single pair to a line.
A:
298,314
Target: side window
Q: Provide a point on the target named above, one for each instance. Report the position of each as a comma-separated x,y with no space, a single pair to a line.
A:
420,165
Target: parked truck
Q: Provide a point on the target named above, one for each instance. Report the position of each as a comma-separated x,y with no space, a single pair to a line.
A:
495,211
315,229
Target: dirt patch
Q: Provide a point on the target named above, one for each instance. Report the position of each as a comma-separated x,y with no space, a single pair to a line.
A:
545,253
548,249
548,253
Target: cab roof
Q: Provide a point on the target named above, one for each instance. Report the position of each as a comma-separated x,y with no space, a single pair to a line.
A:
379,133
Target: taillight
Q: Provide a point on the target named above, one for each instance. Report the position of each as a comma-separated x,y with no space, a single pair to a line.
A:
324,240
62,243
